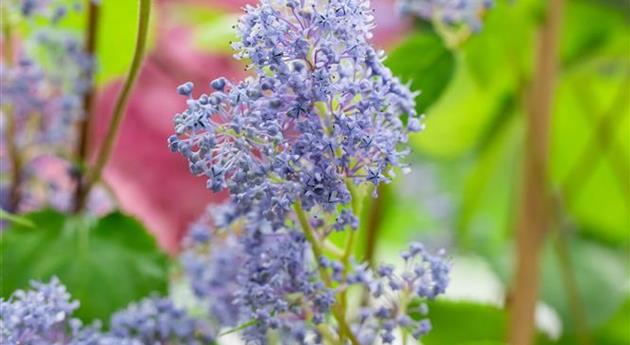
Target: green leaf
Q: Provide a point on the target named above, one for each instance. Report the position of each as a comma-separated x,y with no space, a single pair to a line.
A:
459,120
465,323
500,54
116,39
606,24
614,332
424,60
105,263
590,149
19,220
601,278
485,217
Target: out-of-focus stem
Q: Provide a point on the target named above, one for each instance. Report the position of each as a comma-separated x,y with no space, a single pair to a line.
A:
373,226
349,246
344,329
15,194
88,100
10,132
534,209
94,174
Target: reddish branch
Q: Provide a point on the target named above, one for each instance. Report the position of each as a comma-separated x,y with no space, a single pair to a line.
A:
534,210
88,101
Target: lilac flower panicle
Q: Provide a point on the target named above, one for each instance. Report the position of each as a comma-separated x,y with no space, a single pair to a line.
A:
425,277
320,111
249,272
449,12
210,259
43,316
158,321
319,117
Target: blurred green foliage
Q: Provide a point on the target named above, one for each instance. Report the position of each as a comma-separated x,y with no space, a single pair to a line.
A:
473,145
105,263
116,33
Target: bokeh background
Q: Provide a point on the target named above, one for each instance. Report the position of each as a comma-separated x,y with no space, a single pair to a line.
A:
465,190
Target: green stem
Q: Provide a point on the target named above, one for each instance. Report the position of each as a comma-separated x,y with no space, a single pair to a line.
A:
533,221
95,173
349,247
373,226
238,328
88,101
309,233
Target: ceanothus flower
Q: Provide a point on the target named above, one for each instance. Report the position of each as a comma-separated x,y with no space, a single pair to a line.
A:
251,275
248,273
319,118
157,321
395,293
449,12
321,111
210,260
43,316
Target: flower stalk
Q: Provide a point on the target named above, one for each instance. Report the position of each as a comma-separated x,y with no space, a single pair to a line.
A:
91,36
10,134
534,215
344,329
94,174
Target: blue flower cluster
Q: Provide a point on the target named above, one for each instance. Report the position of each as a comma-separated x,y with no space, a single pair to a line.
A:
424,277
157,321
43,84
449,12
267,279
297,145
321,111
43,316
255,275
